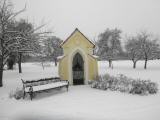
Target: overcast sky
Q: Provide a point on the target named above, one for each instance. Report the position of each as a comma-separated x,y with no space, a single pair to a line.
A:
93,16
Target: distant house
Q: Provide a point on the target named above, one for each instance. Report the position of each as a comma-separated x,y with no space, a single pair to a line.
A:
78,64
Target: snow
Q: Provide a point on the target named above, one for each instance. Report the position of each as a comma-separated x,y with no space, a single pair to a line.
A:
60,57
80,102
125,67
47,86
95,56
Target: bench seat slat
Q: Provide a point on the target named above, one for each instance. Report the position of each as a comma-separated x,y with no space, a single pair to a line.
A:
47,86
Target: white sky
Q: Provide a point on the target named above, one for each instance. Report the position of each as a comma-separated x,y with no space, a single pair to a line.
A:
93,16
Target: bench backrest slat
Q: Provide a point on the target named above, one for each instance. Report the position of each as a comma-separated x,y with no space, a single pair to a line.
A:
40,82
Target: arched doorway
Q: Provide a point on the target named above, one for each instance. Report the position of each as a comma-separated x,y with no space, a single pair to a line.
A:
78,69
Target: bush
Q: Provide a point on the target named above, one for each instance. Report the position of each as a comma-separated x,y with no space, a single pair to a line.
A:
152,88
17,94
139,87
100,83
90,82
123,83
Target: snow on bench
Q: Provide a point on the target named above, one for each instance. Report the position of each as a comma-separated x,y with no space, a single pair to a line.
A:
47,86
32,86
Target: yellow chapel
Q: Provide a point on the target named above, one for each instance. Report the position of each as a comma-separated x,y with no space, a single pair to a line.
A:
78,64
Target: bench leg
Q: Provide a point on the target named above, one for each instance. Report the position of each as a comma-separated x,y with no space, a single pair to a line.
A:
31,95
67,87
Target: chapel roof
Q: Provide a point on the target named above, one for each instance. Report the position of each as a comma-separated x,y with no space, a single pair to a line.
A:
73,34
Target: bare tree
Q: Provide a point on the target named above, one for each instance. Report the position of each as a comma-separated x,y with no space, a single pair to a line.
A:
149,46
8,38
109,45
29,40
133,49
52,48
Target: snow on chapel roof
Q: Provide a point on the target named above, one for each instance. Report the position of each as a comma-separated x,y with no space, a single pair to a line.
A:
80,33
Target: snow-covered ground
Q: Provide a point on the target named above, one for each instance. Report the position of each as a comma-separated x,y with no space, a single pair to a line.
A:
80,102
125,67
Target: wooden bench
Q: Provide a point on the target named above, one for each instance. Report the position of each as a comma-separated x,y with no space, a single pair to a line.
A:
33,86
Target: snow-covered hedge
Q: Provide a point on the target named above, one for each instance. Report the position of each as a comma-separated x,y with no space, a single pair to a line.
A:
123,83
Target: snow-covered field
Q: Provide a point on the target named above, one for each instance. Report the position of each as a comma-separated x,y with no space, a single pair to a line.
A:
80,102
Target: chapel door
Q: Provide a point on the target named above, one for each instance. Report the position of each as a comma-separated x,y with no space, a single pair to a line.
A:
78,70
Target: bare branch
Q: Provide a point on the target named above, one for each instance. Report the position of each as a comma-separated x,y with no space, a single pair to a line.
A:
17,13
37,28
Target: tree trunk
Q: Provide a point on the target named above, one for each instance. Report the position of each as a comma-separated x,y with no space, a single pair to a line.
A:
19,63
55,61
1,71
145,65
110,63
134,64
1,77
10,64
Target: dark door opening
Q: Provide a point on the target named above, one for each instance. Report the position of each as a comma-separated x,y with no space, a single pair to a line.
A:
78,70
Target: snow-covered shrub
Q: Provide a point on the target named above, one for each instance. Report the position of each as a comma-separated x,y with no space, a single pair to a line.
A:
144,87
139,87
125,84
103,85
100,83
17,94
113,84
109,81
95,84
152,88
90,82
